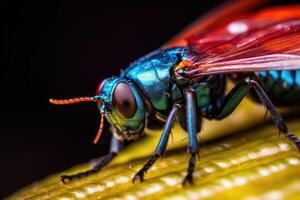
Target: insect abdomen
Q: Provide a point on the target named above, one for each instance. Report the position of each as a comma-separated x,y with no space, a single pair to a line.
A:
283,87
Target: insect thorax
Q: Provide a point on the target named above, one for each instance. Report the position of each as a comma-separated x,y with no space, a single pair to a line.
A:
154,76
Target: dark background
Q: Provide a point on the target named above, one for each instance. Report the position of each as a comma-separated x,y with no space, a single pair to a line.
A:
63,49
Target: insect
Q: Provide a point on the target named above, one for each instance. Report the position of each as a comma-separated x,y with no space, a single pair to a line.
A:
185,80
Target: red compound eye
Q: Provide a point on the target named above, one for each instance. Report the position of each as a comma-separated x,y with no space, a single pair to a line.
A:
124,101
99,87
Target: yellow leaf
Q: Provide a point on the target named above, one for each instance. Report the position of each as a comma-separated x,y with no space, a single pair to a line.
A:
251,162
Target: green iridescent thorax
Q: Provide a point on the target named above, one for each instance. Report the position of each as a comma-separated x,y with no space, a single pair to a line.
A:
152,74
152,79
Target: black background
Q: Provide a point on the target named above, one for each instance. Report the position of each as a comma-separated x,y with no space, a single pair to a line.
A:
63,49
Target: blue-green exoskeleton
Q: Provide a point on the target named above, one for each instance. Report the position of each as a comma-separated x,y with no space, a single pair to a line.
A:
149,90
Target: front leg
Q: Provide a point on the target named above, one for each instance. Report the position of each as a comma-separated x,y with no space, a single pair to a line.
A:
235,96
161,146
193,146
115,147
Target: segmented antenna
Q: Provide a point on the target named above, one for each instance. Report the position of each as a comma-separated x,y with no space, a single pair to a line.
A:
79,100
71,101
100,129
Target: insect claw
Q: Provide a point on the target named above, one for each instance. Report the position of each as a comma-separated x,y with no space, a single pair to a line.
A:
65,178
188,180
138,177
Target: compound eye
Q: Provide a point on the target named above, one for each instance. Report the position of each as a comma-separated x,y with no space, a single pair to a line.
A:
124,101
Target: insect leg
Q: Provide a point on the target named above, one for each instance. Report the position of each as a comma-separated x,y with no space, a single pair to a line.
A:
231,101
161,146
235,96
192,134
115,147
277,119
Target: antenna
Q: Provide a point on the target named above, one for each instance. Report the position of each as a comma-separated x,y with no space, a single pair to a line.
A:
100,129
72,100
79,100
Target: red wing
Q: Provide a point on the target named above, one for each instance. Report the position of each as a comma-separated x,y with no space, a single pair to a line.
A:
225,12
243,25
227,42
222,23
273,47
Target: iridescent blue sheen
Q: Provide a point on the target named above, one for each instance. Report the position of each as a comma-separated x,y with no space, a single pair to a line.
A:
151,78
152,74
297,79
274,74
286,76
281,86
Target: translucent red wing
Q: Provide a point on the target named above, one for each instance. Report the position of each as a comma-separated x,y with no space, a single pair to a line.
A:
223,13
276,47
266,40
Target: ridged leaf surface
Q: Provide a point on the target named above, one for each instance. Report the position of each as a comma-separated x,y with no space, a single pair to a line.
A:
251,162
